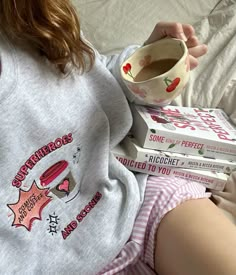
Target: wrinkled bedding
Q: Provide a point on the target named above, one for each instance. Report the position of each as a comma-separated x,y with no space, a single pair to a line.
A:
213,83
112,25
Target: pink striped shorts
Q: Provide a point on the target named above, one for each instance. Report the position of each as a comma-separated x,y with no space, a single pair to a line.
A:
162,195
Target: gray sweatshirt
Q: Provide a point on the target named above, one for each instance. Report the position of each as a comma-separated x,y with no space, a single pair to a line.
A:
67,205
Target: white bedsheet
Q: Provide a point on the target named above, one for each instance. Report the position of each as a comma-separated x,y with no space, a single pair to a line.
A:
213,83
110,25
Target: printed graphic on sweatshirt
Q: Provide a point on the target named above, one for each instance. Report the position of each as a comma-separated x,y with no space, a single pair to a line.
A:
53,224
29,206
60,181
37,156
76,155
79,218
55,181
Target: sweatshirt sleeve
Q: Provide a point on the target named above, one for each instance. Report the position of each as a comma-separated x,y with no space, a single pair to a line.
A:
113,64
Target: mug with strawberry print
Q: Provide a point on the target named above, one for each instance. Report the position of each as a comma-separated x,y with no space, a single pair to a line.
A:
157,73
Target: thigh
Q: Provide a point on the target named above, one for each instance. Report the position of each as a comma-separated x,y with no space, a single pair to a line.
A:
196,238
162,194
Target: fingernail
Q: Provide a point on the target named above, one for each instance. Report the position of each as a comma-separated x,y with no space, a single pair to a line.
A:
183,36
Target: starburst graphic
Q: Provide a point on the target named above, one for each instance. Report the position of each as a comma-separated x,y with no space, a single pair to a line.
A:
29,206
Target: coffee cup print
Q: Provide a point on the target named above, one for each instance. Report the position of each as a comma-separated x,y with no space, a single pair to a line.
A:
59,179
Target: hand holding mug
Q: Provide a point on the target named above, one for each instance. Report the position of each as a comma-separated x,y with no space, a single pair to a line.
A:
180,31
157,73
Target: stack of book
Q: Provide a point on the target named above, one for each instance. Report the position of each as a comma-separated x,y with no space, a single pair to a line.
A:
192,143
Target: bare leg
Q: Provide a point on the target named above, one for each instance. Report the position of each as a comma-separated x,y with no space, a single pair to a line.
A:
195,238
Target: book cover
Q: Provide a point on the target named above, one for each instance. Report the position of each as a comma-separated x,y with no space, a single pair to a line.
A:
170,159
211,180
193,131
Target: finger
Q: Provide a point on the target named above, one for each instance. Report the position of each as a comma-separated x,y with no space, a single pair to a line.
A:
188,30
198,50
179,30
171,29
193,62
192,42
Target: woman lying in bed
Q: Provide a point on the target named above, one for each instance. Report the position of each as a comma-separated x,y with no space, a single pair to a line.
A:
67,205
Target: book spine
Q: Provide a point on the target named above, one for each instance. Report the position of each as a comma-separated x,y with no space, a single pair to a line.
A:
176,143
176,160
210,181
186,163
171,140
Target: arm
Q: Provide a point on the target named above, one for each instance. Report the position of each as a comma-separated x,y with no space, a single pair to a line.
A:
113,64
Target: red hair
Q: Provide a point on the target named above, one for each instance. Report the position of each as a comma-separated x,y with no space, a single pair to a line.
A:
51,26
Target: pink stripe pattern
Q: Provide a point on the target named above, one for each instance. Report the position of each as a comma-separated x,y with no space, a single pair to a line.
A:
162,194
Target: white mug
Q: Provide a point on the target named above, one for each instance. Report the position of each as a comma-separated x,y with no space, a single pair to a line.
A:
157,73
